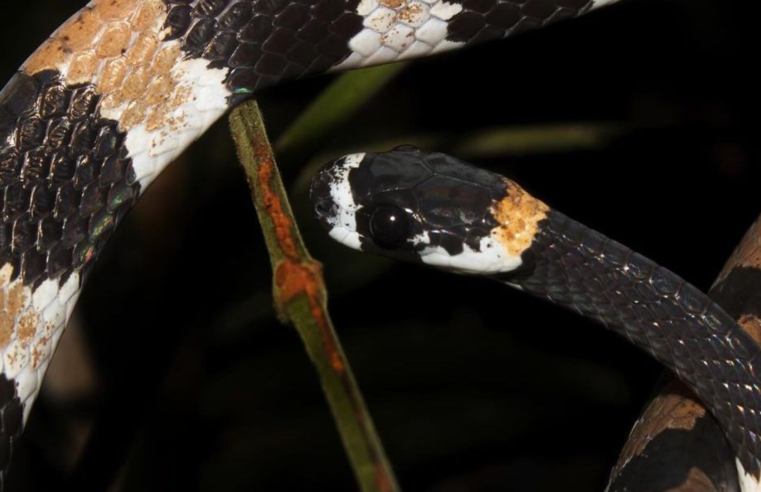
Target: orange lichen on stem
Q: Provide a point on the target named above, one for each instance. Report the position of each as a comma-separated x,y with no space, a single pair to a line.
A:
294,278
300,298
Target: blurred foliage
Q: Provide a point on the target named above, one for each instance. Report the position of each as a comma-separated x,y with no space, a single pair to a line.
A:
334,107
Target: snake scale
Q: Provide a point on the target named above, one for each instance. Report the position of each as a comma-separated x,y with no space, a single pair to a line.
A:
124,86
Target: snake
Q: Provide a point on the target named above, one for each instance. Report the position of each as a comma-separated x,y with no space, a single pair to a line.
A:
437,210
124,86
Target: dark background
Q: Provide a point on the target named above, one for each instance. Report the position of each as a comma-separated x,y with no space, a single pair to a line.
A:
176,376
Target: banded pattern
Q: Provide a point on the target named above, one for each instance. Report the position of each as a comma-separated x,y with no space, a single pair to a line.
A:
676,445
663,427
677,324
399,204
124,86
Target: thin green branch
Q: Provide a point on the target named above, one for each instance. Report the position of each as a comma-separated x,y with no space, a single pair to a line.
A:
300,298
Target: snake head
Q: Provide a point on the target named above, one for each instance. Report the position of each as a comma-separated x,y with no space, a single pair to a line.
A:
417,206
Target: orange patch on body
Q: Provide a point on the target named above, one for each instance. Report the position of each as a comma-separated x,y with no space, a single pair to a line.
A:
103,27
143,50
27,327
410,13
113,41
81,32
752,325
16,298
83,66
13,301
115,45
7,323
111,78
519,215
674,408
40,352
14,355
747,254
113,10
696,480
393,4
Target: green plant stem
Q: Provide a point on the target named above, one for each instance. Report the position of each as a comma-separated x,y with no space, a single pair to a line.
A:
300,299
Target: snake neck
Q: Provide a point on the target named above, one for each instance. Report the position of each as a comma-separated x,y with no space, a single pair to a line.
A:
582,270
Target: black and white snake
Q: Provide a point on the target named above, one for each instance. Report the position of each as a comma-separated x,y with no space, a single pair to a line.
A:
434,209
126,85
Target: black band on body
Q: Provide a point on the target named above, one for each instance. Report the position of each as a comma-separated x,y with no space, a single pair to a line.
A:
678,453
484,20
263,42
659,312
65,176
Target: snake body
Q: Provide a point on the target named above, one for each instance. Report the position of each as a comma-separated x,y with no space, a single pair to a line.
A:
124,86
433,209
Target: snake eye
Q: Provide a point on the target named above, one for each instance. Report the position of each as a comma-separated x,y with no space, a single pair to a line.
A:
389,226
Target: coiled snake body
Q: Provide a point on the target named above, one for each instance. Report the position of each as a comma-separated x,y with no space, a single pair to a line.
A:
124,86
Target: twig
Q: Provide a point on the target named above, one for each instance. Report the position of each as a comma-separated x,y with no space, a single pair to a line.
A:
300,299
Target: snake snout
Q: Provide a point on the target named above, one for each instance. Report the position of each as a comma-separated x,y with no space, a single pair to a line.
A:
323,204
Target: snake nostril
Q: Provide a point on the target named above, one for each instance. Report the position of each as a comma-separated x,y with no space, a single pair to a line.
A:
323,207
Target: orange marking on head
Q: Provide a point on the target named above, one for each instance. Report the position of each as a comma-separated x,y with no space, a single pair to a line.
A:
519,215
